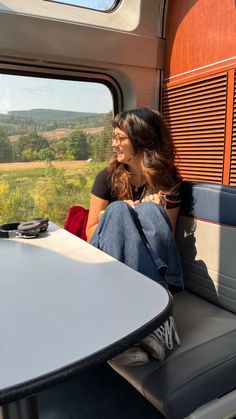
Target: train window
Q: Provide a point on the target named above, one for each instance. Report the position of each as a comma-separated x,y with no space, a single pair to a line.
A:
54,137
100,5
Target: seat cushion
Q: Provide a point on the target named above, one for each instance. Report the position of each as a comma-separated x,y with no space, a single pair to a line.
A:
206,239
200,370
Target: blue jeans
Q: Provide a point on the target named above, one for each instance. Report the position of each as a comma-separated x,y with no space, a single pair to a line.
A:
140,237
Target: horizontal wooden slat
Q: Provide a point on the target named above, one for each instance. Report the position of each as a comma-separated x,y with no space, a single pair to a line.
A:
201,130
197,135
207,148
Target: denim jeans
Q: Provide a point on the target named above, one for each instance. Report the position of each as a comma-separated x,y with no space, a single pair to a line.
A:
140,237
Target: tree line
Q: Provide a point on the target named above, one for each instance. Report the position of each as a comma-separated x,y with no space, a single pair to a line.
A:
39,120
77,146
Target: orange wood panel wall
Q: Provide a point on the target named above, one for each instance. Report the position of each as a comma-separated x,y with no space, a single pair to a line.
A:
200,49
199,33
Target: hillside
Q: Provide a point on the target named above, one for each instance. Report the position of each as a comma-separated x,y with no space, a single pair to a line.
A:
57,115
21,122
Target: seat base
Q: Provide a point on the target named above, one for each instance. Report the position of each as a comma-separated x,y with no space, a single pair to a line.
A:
202,369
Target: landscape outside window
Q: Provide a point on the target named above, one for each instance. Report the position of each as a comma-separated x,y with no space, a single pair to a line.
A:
55,135
102,5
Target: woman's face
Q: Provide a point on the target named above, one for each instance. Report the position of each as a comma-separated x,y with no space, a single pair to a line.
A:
122,146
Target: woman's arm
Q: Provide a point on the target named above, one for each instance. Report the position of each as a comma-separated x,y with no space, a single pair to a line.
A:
96,206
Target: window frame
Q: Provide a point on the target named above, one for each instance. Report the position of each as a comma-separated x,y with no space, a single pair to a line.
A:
56,73
63,74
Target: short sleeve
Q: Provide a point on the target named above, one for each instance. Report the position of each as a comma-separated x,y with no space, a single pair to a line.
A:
102,187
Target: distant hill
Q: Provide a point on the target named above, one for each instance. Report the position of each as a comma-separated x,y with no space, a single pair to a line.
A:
56,115
40,120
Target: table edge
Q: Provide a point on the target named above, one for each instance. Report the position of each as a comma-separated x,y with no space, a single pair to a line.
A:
54,377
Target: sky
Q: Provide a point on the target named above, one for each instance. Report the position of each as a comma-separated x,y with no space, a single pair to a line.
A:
24,93
93,4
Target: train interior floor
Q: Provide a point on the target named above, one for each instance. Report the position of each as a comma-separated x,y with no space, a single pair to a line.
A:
98,393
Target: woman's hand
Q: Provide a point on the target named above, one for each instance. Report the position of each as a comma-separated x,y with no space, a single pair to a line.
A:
132,203
158,198
100,214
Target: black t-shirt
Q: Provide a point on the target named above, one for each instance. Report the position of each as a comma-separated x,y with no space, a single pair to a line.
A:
102,186
102,189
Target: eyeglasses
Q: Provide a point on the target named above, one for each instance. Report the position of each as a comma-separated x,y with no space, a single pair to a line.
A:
118,138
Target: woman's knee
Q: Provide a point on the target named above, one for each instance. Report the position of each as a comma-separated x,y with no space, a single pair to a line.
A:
119,215
118,207
153,212
149,208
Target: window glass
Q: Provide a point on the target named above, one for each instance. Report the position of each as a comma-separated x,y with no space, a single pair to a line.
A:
54,137
102,5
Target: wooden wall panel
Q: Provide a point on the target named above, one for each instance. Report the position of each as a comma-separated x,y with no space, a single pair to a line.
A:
195,113
199,33
198,98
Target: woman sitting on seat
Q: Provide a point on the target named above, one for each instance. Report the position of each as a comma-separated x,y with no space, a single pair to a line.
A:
135,201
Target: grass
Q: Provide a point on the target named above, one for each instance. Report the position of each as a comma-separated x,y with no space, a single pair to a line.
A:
38,189
59,164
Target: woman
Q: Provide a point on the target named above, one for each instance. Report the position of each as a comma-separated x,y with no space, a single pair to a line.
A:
135,201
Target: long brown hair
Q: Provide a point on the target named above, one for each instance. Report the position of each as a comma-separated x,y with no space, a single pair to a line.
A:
150,136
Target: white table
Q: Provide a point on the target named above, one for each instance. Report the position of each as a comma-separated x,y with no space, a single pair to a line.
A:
64,306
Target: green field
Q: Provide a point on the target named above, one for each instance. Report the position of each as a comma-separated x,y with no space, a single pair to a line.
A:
47,191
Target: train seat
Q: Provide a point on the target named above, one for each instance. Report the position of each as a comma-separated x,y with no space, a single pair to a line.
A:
198,379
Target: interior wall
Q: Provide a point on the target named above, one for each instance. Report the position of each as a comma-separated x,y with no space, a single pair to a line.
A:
125,44
199,93
199,33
